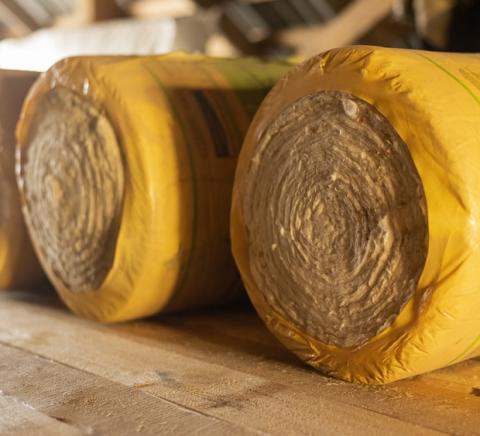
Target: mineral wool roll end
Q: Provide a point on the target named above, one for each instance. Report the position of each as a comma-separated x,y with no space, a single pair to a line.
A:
126,167
73,184
338,218
355,212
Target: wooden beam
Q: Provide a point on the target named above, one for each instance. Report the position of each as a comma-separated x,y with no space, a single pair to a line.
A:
89,11
354,21
17,20
19,418
86,404
227,366
162,8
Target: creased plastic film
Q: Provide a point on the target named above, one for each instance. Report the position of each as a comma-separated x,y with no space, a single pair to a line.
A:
126,167
356,211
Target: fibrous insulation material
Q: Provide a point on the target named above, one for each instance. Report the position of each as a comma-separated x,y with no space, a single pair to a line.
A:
126,167
356,208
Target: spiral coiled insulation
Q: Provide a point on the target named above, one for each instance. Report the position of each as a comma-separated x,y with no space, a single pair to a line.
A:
126,169
356,210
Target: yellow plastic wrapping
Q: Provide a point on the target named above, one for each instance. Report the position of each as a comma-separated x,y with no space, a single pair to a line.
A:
19,267
179,121
433,102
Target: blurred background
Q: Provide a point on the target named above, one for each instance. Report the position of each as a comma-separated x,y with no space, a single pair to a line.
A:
36,33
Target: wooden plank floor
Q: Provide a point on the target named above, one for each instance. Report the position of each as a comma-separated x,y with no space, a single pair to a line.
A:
219,372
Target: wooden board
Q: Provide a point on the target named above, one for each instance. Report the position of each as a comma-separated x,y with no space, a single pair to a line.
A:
219,372
353,22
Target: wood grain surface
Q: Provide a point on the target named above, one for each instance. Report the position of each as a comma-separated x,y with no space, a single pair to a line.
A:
218,372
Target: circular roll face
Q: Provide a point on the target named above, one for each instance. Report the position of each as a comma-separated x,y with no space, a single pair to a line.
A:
73,181
335,218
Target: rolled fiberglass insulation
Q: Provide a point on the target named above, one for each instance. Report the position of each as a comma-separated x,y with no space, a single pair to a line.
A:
19,267
356,211
126,167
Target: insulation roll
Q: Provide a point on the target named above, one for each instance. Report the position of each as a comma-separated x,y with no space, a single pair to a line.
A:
19,267
126,166
356,211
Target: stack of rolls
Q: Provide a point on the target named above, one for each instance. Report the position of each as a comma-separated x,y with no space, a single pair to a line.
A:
19,267
356,211
126,167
